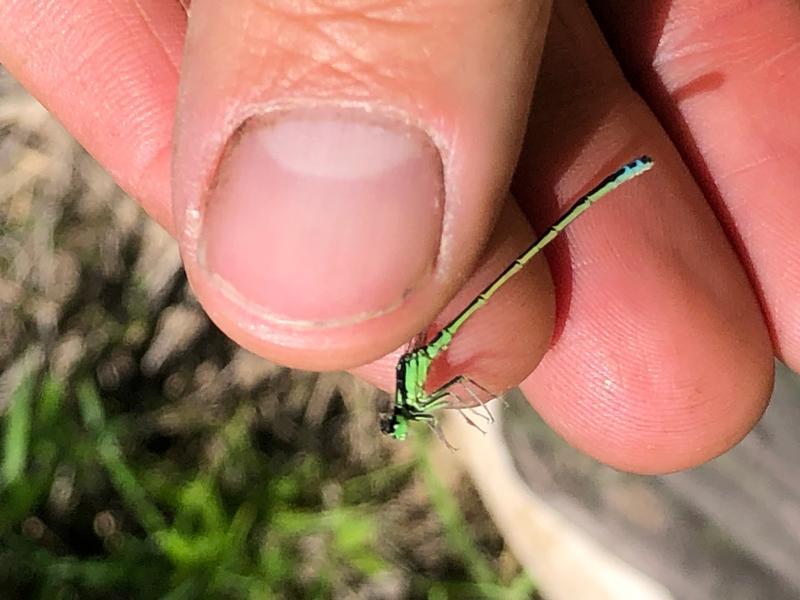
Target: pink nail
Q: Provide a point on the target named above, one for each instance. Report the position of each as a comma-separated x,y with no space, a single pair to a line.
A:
324,216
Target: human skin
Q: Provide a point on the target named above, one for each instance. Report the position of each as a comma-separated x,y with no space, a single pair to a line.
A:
653,324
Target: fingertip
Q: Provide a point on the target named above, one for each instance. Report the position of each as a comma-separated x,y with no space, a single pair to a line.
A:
109,72
324,217
329,204
503,341
660,391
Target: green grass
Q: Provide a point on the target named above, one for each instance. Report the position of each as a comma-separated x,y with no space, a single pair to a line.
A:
87,510
17,434
201,476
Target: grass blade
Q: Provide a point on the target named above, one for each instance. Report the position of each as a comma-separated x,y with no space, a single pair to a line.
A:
110,454
16,440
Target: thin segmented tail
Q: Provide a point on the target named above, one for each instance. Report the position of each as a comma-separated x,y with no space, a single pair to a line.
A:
623,174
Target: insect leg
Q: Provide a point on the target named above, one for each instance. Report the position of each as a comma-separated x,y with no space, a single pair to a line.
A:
463,380
434,426
471,422
462,403
440,397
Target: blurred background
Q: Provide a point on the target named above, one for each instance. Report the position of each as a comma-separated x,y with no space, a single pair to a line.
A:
143,455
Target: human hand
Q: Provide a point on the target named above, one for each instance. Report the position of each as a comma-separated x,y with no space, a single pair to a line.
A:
658,355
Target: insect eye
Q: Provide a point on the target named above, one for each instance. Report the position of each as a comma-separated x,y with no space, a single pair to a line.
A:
388,423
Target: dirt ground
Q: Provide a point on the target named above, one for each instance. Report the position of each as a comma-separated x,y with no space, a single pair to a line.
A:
145,455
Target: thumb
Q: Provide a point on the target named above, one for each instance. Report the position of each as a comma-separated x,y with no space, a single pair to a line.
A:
337,170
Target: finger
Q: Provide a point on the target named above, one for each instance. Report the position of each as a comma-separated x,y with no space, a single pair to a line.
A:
121,122
109,72
337,170
723,76
661,358
504,341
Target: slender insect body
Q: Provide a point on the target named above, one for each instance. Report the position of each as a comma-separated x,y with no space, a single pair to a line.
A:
439,343
412,402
